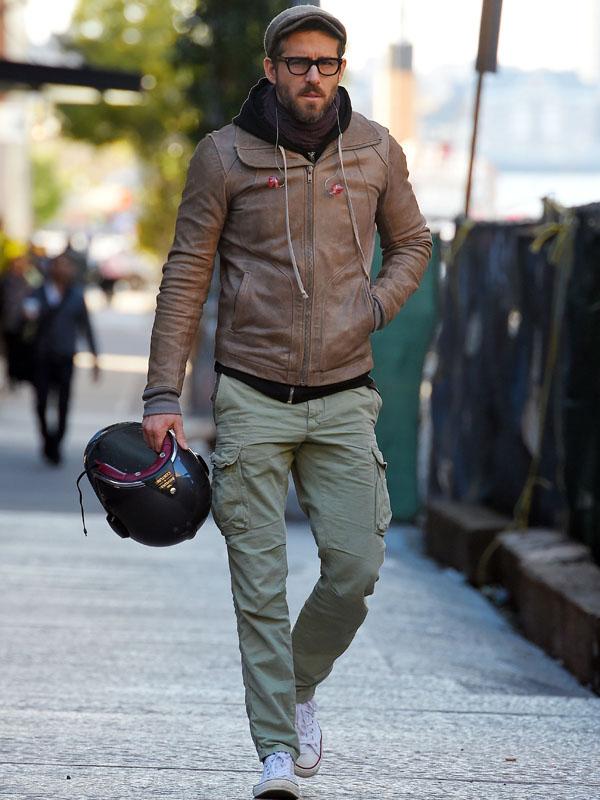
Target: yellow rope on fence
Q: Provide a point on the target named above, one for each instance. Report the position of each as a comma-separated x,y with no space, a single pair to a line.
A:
460,237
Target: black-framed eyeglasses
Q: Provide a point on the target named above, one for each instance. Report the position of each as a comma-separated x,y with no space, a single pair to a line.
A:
300,66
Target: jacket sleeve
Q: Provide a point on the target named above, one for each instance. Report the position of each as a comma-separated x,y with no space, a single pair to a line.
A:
186,275
405,238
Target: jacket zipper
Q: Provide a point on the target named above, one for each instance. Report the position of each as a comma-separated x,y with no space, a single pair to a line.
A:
309,276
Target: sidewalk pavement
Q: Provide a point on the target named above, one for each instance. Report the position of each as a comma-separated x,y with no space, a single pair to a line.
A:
121,678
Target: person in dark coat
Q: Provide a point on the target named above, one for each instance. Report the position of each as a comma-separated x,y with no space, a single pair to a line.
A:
14,288
60,314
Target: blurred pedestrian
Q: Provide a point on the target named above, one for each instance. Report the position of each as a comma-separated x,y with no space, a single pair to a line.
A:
77,251
14,288
60,315
39,258
290,195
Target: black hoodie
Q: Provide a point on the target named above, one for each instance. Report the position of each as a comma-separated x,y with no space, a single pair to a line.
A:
252,119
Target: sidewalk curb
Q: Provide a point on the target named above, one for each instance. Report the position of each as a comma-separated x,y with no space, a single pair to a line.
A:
551,579
457,534
555,588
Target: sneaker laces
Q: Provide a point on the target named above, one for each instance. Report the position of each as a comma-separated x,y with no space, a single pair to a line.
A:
278,765
307,726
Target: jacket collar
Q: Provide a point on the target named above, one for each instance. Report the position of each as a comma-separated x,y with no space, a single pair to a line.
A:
255,152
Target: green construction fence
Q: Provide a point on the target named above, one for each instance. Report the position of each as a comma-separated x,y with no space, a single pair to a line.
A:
399,351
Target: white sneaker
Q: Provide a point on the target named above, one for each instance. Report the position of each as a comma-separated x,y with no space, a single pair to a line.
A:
311,740
278,780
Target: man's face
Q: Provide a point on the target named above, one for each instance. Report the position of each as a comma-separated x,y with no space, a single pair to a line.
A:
62,271
308,96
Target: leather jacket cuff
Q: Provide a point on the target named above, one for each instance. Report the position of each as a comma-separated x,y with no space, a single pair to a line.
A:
378,315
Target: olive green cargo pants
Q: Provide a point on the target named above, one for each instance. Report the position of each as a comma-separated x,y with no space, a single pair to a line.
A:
329,445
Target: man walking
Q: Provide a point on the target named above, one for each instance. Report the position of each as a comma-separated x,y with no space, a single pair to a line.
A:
59,315
290,195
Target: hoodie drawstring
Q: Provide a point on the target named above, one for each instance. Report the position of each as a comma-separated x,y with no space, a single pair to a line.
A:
365,264
366,270
287,228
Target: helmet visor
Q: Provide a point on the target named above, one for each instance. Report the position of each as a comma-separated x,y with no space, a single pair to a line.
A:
122,453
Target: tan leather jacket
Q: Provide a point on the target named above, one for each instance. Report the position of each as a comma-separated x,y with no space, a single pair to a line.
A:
307,324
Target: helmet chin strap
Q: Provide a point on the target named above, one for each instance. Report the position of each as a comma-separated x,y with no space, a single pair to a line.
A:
81,500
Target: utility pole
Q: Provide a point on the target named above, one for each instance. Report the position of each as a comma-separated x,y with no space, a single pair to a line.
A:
486,62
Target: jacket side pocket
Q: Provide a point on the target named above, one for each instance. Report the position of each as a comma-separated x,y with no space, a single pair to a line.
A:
239,312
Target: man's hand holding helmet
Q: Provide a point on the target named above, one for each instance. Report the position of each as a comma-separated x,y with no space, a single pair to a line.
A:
155,427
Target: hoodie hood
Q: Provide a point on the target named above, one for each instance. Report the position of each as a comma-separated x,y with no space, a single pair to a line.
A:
254,119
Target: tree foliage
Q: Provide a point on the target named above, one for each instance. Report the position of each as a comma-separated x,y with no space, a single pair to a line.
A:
224,43
48,191
199,60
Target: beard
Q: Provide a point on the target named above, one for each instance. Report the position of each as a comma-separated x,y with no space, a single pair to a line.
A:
302,111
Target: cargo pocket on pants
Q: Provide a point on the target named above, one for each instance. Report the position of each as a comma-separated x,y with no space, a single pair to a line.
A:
383,511
229,502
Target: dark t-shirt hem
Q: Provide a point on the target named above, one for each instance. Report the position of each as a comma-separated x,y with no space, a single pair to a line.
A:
294,394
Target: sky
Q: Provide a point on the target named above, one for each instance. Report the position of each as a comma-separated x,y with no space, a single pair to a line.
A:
534,33
554,34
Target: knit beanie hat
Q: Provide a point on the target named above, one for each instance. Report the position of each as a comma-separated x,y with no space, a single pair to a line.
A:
293,18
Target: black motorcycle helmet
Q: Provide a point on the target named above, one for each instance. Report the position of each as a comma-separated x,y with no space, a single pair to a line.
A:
157,499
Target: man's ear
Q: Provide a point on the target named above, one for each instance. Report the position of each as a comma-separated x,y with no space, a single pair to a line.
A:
270,72
342,68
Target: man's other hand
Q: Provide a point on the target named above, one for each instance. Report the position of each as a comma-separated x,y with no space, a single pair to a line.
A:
155,429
